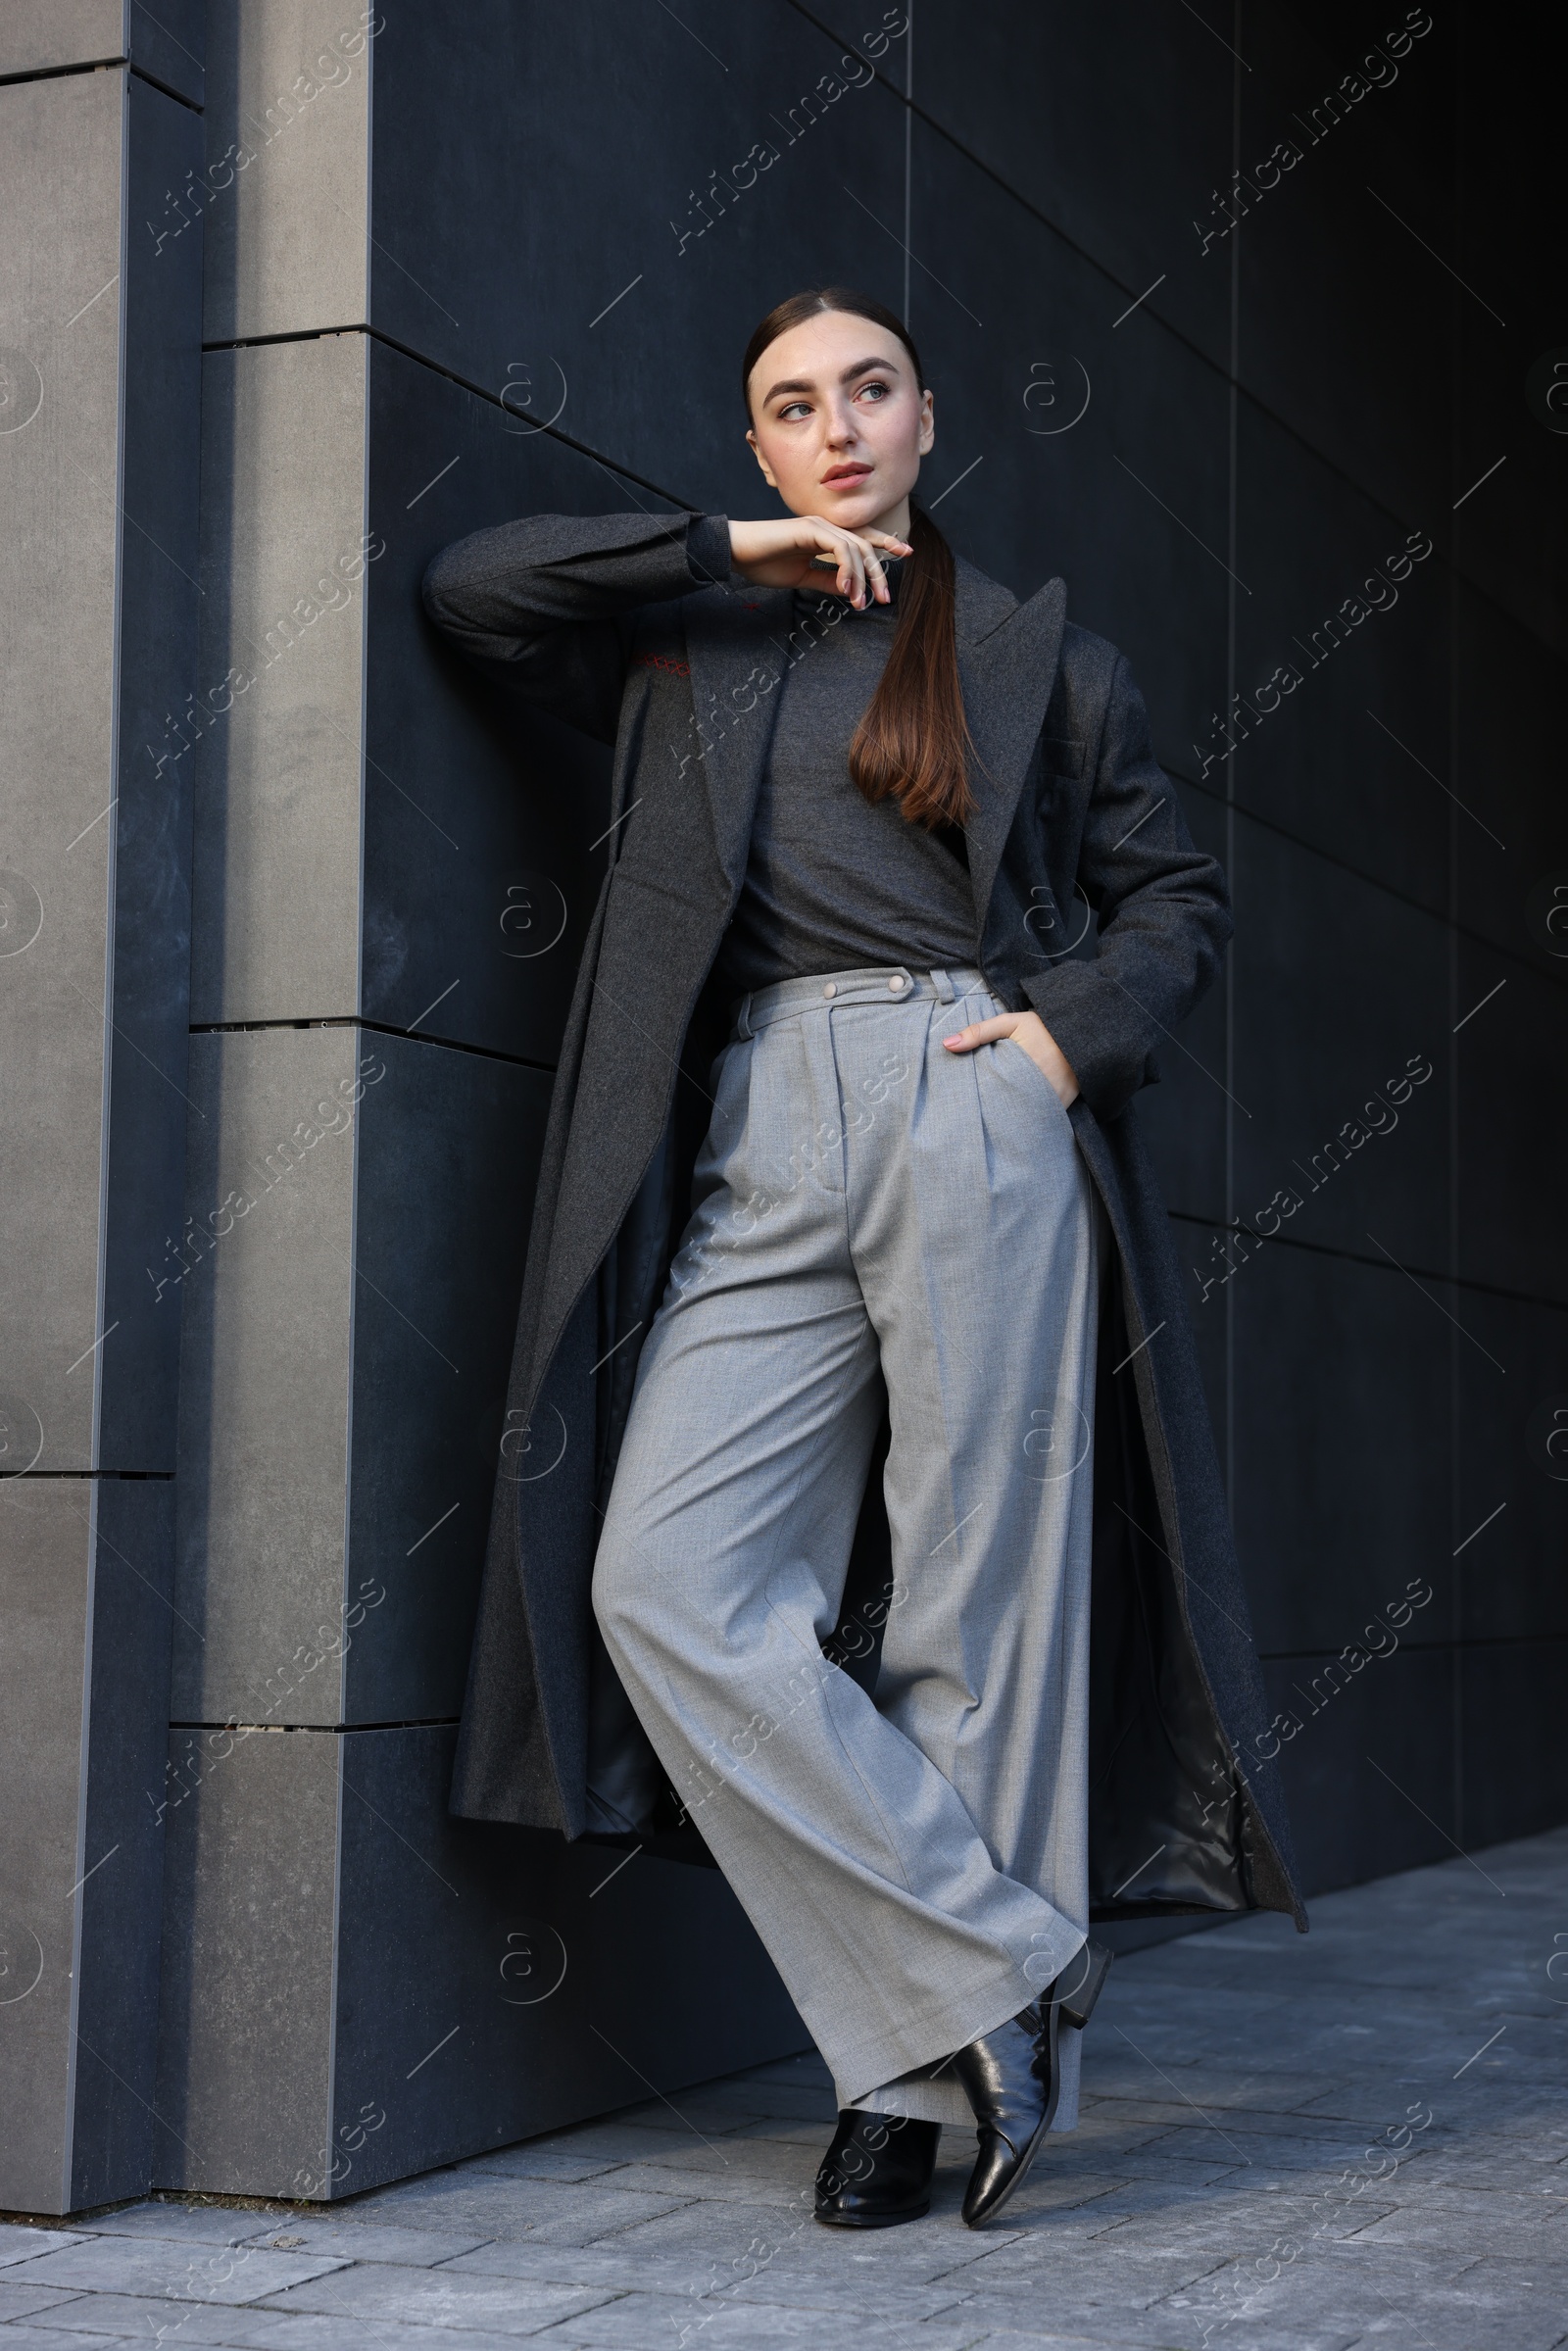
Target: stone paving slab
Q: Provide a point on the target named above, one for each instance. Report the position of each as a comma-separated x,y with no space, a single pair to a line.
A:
1202,2165
460,2202
1497,2206
21,2243
1516,2308
18,2301
846,2295
211,2329
640,2321
596,2146
370,2293
1513,2166
362,2240
1150,2115
766,2171
610,2272
27,2337
147,2318
183,2272
548,2162
1313,2339
179,2224
1268,2152
722,2228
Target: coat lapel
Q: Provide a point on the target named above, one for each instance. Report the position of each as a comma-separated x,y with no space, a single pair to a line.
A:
1008,657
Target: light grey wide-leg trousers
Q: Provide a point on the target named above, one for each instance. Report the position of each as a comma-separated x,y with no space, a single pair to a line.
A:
914,1862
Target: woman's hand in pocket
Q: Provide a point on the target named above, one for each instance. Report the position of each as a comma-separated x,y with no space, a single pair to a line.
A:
1028,1030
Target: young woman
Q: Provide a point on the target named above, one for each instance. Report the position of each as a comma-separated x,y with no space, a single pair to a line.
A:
905,1263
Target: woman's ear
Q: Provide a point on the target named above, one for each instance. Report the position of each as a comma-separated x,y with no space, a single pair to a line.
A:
761,461
928,424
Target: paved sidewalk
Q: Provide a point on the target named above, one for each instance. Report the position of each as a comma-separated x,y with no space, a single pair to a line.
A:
1288,2145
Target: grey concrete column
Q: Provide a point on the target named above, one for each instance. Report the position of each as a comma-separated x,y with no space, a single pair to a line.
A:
394,874
99,419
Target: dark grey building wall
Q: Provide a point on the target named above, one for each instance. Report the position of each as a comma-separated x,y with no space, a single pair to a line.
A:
1271,428
463,264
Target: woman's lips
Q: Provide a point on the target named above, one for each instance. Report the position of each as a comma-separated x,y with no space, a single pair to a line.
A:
841,476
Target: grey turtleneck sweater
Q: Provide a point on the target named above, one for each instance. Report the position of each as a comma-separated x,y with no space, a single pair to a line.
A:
834,881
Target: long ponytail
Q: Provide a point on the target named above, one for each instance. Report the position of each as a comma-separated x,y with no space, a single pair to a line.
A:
912,740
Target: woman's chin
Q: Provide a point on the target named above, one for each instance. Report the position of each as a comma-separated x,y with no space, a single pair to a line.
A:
859,513
853,505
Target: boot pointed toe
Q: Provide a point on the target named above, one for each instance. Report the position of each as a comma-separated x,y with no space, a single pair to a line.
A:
1012,2080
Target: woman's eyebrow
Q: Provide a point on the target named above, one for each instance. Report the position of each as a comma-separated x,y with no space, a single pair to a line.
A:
803,384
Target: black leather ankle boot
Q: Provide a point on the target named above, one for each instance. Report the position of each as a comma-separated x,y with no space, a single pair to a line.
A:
1012,2080
877,2170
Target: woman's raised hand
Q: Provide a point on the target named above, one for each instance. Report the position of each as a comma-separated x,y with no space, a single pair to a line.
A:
805,551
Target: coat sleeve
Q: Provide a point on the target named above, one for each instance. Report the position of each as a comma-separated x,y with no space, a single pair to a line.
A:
547,605
1164,916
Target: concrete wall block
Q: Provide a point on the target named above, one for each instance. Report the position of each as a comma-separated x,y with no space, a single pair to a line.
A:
94,928
288,113
479,1999
452,889
61,157
277,758
121,1852
249,1920
144,1180
84,1581
265,1371
349,1336
40,36
45,1581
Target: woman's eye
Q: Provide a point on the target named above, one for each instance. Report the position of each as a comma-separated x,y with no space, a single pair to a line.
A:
793,409
879,391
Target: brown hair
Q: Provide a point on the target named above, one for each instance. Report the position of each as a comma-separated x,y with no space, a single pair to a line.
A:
912,739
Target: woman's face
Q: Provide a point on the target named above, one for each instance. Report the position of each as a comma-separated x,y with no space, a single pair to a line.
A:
839,423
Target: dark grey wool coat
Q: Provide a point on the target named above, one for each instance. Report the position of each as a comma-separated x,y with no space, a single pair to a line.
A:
613,625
